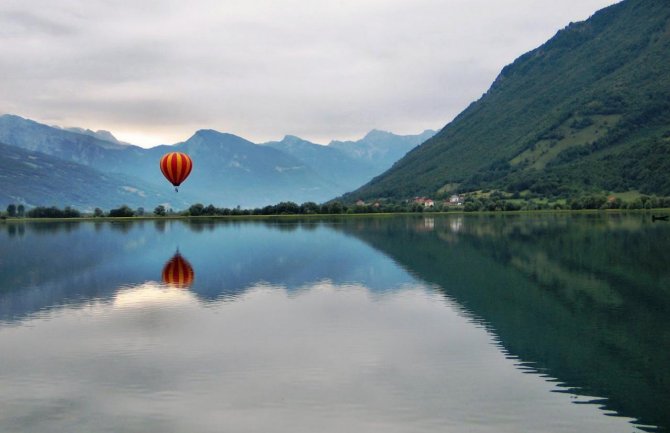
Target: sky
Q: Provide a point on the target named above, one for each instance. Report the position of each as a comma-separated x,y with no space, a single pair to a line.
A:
155,71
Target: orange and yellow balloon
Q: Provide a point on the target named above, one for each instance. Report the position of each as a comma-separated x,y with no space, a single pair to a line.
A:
176,167
178,272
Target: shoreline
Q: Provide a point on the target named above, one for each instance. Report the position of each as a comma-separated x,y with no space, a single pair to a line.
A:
13,220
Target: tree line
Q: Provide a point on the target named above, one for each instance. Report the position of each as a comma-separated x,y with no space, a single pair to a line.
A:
494,202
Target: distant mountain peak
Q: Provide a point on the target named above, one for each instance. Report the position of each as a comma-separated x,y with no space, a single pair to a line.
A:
294,139
100,134
18,120
207,133
11,116
210,139
377,133
289,137
212,134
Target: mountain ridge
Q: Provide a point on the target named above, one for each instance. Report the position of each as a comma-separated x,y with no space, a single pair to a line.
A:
228,170
585,111
37,179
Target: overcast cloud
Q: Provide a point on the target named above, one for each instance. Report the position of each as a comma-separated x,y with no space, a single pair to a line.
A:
154,71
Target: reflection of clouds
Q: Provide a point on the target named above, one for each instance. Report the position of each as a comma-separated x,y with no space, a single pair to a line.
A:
328,358
151,294
135,243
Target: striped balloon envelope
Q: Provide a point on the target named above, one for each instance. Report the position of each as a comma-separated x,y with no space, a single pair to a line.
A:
176,167
178,272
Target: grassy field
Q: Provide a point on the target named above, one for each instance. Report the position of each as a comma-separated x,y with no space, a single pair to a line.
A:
570,134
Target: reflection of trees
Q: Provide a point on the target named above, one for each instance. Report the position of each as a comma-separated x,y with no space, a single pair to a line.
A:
159,225
197,226
583,298
121,226
16,229
284,226
50,228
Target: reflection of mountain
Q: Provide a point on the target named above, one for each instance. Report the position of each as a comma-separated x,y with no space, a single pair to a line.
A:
229,257
582,299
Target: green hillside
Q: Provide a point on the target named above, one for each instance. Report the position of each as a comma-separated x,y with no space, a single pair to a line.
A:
587,111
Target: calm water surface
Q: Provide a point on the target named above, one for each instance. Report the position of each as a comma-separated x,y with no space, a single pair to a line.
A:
550,323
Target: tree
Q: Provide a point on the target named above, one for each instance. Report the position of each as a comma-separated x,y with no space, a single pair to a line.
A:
159,210
335,208
123,211
210,210
53,212
287,208
97,212
139,211
309,208
196,209
21,210
11,210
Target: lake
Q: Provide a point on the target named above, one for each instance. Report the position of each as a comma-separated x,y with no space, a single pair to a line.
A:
454,323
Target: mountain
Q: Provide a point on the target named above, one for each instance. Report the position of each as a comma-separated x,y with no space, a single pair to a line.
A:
38,179
107,156
338,168
381,149
349,164
101,134
587,111
228,170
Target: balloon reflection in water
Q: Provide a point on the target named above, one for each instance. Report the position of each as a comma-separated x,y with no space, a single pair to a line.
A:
178,272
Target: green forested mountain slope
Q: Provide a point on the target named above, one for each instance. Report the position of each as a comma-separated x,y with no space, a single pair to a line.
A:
587,111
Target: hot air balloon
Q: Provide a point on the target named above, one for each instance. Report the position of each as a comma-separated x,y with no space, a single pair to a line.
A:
178,272
176,167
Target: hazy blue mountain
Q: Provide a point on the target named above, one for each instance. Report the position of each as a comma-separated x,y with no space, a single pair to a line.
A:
37,179
31,135
381,149
104,155
343,171
228,170
349,164
100,134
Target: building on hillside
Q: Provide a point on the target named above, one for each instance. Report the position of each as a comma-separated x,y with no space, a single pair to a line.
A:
360,203
456,200
424,201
